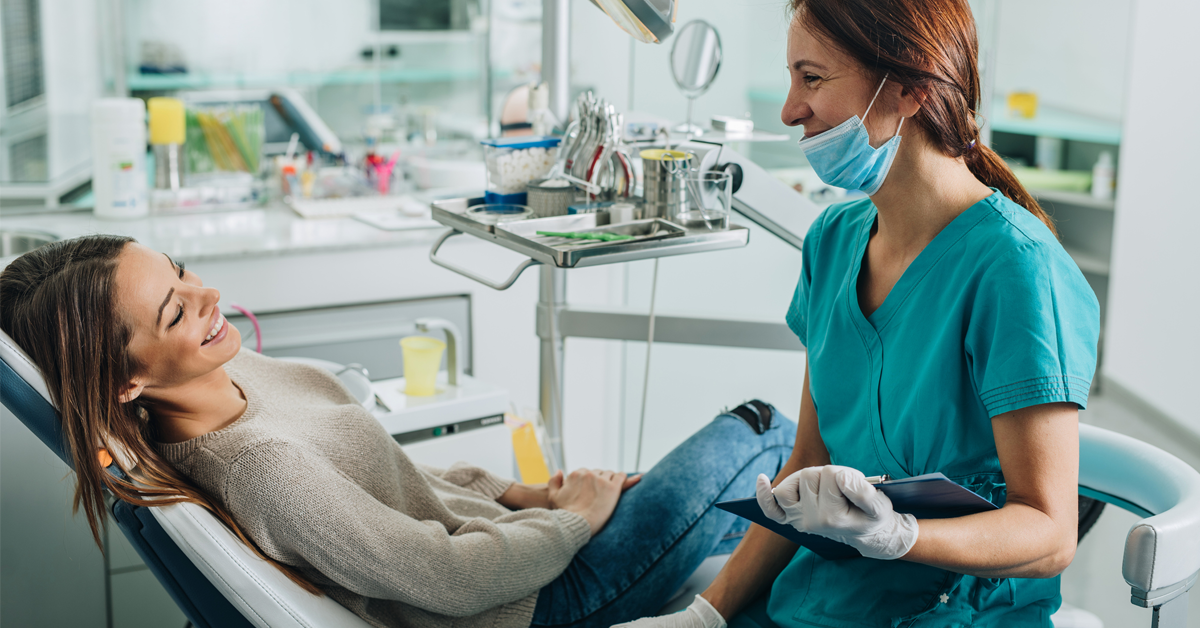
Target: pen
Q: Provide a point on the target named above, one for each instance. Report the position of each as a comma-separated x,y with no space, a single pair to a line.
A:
878,479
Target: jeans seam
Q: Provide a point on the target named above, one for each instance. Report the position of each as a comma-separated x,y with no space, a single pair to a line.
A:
676,540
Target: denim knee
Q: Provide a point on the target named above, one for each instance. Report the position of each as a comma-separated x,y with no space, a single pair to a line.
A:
762,418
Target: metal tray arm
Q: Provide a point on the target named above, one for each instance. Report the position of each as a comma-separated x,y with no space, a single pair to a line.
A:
433,257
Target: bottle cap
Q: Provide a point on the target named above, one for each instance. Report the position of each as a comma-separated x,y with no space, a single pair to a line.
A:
167,121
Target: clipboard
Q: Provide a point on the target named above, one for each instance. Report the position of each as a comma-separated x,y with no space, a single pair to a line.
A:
929,496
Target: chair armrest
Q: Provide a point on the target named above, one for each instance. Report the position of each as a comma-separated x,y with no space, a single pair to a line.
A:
1162,551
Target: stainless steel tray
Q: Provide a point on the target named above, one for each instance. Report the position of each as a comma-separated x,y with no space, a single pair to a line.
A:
655,238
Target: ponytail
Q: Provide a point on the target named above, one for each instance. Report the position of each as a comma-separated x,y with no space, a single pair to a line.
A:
990,169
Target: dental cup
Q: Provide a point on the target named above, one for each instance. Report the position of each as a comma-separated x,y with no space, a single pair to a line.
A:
422,359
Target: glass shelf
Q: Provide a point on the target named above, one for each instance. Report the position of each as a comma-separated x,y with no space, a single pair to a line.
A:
166,82
1050,121
1054,122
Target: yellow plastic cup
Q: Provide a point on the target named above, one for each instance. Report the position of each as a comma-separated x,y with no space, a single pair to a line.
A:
422,359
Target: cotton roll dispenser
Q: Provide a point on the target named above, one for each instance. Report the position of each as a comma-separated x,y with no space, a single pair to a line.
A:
167,135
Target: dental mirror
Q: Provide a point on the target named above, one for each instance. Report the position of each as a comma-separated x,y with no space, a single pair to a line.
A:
695,59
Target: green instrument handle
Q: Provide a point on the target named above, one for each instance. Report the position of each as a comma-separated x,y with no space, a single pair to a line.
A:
591,235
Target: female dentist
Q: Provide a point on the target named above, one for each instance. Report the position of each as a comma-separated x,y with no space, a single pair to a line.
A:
947,330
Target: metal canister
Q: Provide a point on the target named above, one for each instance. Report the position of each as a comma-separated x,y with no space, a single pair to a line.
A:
551,197
663,173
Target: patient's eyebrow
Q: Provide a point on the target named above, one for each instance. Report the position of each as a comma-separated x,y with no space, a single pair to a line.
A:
164,304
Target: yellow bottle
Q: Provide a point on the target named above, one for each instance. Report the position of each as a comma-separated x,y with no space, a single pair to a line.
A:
167,135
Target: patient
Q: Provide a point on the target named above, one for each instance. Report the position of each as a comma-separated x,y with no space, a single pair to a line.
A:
141,364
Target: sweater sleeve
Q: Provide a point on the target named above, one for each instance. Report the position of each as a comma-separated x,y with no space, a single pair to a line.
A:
291,501
471,477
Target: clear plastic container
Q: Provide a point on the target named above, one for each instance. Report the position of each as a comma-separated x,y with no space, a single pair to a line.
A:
514,162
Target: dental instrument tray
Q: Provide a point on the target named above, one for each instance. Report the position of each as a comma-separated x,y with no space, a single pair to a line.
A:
649,239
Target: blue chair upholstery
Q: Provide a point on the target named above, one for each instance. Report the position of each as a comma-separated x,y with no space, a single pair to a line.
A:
213,577
204,606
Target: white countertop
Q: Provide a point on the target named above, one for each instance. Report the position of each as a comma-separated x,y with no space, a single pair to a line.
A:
260,232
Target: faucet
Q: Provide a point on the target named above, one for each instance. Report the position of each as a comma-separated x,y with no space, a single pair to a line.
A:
453,364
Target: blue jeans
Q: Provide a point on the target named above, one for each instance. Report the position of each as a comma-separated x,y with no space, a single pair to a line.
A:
665,526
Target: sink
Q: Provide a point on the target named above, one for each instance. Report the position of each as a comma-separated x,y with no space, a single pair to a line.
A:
21,241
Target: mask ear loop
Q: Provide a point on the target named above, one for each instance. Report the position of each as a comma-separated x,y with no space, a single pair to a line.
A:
873,98
879,89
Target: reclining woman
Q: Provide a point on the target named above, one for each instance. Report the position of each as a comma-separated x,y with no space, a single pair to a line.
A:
140,362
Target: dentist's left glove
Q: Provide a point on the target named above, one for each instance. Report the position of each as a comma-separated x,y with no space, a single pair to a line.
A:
838,503
700,614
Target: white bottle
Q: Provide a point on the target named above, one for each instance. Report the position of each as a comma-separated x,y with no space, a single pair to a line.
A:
541,118
1102,177
119,158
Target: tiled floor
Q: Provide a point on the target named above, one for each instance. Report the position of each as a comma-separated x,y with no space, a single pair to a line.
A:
1093,581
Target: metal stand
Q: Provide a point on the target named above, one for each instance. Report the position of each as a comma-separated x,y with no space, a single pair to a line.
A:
760,194
1169,603
552,299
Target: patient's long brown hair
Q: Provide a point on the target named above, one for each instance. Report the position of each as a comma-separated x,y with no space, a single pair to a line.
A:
929,47
58,303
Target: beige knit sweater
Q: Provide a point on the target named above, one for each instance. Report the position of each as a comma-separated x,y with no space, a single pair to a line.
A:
317,483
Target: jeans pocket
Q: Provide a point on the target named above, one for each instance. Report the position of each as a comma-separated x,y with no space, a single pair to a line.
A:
866,593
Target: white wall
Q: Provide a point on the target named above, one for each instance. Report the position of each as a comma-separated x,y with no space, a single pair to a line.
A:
228,36
1153,342
1072,53
752,34
72,70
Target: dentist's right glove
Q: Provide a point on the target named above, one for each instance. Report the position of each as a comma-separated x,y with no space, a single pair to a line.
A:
700,614
838,503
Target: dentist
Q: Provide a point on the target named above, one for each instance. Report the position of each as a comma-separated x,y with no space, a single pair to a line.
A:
947,330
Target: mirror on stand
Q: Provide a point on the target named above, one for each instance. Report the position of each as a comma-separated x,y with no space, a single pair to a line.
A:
695,59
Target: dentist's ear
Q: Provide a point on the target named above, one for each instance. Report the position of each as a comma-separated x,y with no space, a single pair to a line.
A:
911,100
132,391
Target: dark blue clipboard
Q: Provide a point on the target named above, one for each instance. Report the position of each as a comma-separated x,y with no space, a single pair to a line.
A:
929,496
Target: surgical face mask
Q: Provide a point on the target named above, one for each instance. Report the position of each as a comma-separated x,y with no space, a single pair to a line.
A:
843,156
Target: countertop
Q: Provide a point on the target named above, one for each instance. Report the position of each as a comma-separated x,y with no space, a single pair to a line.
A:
261,232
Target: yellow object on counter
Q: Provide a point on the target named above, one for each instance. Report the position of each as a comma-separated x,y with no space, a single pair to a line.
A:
1022,104
530,461
167,121
422,358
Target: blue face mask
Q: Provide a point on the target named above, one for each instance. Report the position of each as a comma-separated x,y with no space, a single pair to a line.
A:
843,157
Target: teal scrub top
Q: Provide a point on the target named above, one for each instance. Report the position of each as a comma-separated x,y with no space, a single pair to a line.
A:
992,316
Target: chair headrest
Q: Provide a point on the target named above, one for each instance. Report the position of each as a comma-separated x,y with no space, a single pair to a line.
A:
24,392
20,362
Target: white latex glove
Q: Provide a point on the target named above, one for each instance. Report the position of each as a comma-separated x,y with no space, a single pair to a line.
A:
700,614
838,503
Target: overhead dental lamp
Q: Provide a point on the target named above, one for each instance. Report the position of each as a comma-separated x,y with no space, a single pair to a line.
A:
648,21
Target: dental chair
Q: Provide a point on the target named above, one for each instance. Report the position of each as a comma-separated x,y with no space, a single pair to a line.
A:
218,582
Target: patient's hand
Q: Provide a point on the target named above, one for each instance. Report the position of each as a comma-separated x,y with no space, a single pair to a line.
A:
590,493
521,496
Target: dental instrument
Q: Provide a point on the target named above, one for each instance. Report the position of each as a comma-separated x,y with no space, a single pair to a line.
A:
587,235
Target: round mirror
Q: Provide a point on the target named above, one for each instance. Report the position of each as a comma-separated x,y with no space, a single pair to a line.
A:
695,57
